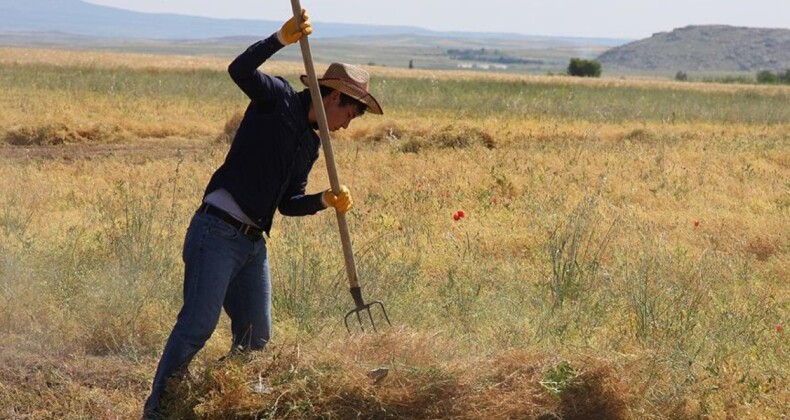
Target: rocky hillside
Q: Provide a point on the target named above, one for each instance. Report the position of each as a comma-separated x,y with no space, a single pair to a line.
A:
710,48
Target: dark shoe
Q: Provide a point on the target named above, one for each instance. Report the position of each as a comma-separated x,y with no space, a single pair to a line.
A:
234,352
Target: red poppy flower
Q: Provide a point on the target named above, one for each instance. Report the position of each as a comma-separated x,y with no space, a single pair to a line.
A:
461,214
779,328
696,223
456,217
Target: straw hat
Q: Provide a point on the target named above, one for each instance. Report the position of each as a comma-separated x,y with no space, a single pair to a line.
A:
351,80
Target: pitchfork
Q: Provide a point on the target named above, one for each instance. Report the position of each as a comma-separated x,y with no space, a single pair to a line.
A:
334,180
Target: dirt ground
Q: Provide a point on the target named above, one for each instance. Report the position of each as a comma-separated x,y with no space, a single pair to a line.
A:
142,150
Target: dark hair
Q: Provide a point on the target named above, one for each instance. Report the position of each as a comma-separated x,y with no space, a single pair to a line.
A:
344,99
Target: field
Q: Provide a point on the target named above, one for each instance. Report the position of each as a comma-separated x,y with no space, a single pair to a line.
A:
532,55
625,249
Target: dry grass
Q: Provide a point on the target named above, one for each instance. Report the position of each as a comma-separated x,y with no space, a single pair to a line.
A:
65,58
629,269
306,382
180,62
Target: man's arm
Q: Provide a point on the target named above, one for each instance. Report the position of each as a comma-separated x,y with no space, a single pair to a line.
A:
296,203
244,69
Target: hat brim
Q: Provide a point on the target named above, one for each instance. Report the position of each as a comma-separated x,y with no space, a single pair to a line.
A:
351,90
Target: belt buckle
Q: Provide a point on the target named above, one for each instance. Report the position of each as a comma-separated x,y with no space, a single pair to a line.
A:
246,229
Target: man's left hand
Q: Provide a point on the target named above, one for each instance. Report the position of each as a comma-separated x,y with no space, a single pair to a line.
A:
290,33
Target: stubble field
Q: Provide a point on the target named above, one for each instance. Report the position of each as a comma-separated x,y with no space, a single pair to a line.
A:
624,250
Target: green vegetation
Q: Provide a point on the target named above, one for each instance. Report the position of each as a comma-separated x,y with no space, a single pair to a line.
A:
767,77
584,68
763,77
122,83
487,55
213,94
572,102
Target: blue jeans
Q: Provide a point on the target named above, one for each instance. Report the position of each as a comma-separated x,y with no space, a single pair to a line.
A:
222,268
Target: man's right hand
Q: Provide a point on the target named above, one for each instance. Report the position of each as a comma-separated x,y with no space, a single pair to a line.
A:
341,202
290,33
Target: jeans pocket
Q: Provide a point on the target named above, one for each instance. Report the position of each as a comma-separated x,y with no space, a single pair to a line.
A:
223,230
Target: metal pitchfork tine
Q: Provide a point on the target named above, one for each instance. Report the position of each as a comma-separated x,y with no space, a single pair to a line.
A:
356,293
334,181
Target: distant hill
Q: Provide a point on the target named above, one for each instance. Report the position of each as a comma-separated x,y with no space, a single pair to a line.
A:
76,24
709,48
77,17
81,18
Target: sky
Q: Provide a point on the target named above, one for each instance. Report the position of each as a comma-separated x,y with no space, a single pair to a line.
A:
628,19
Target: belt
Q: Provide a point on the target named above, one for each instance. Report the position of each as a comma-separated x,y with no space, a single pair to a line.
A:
249,231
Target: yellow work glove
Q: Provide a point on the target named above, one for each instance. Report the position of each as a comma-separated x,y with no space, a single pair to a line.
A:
342,202
289,33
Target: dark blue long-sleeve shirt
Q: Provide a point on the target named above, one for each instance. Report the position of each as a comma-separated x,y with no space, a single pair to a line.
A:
275,147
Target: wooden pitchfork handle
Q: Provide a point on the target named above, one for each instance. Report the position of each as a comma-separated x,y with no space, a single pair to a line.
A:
326,144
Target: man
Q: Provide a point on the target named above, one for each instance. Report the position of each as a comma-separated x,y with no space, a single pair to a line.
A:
266,169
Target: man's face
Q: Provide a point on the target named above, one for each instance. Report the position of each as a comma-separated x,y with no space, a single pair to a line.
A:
339,116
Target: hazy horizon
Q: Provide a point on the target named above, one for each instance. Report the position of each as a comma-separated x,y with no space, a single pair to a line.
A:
603,19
